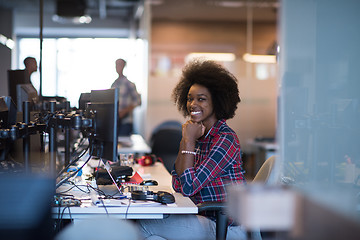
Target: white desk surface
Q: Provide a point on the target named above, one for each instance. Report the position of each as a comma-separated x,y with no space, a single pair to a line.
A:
133,144
263,145
182,205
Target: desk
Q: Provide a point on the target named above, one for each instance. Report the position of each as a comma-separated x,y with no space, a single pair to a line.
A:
134,144
183,205
262,150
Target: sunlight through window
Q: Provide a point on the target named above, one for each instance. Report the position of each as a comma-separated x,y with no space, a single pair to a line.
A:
71,66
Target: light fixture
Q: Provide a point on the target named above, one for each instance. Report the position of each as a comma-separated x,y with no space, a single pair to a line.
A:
74,20
71,11
231,4
252,58
7,41
221,57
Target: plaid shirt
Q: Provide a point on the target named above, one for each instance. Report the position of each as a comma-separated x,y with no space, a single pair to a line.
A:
217,164
128,95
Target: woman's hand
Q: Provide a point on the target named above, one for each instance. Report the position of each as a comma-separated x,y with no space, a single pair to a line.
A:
191,131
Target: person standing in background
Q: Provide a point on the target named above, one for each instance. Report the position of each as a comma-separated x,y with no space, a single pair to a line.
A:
30,67
129,98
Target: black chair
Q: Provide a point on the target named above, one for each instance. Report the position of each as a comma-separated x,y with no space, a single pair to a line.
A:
165,141
219,208
221,217
168,124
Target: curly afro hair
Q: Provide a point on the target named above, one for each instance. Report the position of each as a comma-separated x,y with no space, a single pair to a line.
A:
219,81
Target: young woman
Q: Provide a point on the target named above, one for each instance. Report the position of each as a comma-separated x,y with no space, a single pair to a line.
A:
209,157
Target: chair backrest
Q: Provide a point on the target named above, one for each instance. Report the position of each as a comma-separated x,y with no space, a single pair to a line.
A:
168,124
264,172
165,143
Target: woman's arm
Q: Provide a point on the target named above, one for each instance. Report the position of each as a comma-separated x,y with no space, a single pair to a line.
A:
223,154
191,131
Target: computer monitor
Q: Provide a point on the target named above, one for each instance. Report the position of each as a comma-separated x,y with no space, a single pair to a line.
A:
16,77
103,140
83,100
3,124
7,118
26,92
3,113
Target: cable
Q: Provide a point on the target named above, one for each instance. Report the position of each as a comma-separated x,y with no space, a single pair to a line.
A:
127,209
58,222
102,202
75,186
74,173
60,217
160,159
72,162
79,146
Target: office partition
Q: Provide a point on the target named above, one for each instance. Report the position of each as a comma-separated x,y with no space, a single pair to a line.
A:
319,99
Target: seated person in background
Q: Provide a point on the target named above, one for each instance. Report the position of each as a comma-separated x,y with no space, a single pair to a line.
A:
209,157
129,98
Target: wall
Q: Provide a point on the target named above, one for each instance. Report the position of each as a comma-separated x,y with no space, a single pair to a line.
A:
172,41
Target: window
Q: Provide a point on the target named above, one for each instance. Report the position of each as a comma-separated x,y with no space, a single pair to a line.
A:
71,66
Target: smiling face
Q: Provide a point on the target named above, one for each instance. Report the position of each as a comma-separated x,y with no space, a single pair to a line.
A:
200,106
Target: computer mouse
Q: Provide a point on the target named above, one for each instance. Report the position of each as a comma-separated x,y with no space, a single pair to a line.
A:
149,183
164,197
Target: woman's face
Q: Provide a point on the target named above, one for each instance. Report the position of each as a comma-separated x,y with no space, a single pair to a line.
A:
200,106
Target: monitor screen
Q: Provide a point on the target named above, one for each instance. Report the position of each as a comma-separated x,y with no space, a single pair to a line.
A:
103,141
3,125
16,77
83,100
7,118
3,113
26,92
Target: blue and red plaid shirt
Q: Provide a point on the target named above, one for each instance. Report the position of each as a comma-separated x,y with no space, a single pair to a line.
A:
217,164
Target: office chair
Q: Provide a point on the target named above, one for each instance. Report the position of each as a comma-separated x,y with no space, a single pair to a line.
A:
168,124
262,176
165,141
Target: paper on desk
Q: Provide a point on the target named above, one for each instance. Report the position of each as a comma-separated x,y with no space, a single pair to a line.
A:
125,203
125,142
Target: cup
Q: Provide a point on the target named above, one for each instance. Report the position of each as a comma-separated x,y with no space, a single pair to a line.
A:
126,159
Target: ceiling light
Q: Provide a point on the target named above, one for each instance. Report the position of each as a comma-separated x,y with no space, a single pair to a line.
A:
86,19
222,57
7,41
251,58
230,4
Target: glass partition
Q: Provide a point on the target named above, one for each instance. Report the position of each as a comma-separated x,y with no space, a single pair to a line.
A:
319,100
